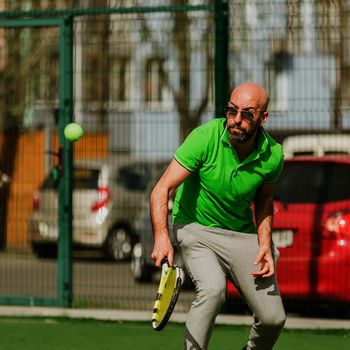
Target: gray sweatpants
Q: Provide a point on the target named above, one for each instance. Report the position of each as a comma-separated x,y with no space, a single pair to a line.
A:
211,255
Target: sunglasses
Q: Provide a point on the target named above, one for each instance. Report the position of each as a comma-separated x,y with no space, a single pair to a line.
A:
233,112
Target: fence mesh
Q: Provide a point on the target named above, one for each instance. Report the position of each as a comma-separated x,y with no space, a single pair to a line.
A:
142,81
298,50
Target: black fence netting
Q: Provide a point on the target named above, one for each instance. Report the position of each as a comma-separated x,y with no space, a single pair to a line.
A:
142,80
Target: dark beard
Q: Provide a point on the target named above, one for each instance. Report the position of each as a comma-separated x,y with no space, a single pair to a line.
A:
240,139
246,136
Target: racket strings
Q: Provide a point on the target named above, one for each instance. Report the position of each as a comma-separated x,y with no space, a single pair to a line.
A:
166,297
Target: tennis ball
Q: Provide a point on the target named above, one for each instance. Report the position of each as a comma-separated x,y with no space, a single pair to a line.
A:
73,132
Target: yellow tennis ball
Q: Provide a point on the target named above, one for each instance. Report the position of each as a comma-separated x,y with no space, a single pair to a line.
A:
73,132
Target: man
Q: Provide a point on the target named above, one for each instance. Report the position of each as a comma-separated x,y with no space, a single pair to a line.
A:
221,168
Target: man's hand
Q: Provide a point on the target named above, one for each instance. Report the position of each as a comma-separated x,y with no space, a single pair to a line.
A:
163,249
267,265
173,176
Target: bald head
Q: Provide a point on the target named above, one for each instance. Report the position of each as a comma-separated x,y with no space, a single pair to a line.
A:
246,113
251,93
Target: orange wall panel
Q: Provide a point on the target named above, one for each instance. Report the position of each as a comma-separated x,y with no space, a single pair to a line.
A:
29,172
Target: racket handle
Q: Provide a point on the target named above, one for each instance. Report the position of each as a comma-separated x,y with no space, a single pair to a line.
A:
164,261
164,265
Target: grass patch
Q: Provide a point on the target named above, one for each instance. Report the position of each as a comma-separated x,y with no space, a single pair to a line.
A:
37,333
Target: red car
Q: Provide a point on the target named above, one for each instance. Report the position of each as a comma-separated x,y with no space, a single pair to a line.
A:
312,229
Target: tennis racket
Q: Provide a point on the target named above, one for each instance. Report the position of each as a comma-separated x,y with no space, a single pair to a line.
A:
167,294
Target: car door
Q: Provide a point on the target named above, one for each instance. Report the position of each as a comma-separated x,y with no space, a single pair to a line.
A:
299,197
44,219
85,194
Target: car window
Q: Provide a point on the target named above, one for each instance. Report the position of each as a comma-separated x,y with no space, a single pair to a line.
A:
83,178
303,153
338,182
301,182
134,177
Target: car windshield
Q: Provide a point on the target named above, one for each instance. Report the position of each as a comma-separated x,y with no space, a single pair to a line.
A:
313,182
83,178
338,182
140,176
301,182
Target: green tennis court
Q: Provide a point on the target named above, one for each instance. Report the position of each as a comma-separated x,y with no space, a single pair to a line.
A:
71,334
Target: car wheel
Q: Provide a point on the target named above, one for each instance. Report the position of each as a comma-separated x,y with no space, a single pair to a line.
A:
119,243
140,270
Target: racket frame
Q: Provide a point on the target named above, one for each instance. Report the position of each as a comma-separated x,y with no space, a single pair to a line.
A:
178,282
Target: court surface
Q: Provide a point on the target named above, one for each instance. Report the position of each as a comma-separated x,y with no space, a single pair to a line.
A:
18,333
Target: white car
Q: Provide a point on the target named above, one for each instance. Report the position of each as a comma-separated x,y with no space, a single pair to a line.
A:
108,197
317,145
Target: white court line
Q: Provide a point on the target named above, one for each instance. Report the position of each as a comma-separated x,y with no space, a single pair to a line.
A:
123,315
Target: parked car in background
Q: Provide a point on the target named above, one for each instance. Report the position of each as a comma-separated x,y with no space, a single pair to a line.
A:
316,145
311,229
108,197
142,266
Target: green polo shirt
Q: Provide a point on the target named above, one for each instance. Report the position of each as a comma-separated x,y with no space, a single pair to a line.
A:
220,190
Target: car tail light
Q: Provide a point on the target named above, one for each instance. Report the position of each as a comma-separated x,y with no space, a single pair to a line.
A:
337,225
101,200
36,200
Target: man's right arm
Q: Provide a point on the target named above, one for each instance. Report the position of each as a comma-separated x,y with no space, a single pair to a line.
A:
173,176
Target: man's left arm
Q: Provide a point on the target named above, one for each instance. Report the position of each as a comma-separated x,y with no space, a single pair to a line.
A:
263,209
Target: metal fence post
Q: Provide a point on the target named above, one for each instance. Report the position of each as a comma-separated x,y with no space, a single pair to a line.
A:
221,56
65,215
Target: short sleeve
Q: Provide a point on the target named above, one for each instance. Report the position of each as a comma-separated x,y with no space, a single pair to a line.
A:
191,152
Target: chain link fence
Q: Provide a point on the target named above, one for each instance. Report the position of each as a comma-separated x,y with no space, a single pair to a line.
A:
142,80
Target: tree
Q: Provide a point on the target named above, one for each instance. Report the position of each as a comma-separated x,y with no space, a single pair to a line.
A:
189,102
341,91
189,118
12,92
95,41
333,23
21,54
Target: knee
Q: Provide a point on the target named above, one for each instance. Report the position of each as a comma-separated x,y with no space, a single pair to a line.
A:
213,294
273,321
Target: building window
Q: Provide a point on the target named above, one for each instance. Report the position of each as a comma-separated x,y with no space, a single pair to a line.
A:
277,80
46,78
90,78
120,79
154,80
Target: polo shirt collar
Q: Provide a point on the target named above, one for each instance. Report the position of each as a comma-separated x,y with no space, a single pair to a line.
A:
224,134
